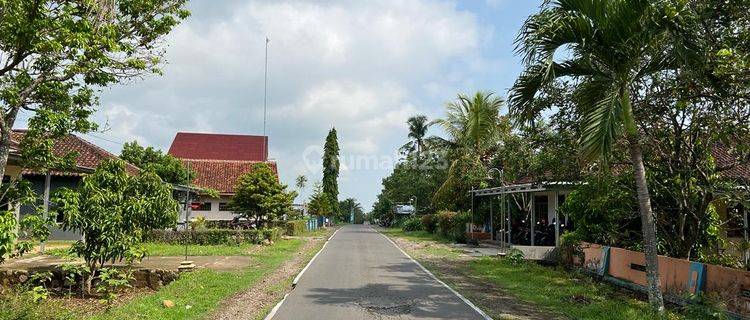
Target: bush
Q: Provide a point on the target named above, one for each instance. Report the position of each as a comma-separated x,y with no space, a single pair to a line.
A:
214,236
570,249
702,306
515,256
429,223
295,227
412,224
452,225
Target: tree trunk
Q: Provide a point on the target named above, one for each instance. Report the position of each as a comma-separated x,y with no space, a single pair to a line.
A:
655,298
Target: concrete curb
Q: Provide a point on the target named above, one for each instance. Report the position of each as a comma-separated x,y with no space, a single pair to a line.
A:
298,277
481,313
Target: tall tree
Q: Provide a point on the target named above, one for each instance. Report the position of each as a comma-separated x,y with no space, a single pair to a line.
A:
57,55
169,168
260,196
331,169
320,202
611,45
300,182
473,126
349,206
418,126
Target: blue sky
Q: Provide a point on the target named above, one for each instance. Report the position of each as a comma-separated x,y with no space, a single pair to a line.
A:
363,67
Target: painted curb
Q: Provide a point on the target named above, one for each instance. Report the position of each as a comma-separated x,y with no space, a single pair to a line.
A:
469,303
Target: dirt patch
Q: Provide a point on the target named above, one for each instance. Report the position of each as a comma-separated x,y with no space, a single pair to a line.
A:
251,303
453,270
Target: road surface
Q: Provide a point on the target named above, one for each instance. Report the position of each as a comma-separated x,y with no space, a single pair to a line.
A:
360,274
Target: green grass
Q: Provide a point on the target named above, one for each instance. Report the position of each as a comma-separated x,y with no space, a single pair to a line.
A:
321,232
203,290
417,236
163,249
559,291
555,290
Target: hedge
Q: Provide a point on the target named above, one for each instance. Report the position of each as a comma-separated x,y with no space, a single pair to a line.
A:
429,223
214,236
452,225
295,227
412,224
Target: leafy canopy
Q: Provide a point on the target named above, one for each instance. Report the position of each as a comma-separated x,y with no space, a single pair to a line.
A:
169,168
260,196
320,203
114,210
58,54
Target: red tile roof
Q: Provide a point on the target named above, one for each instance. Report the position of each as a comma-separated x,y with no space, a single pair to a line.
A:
208,146
724,158
221,175
89,155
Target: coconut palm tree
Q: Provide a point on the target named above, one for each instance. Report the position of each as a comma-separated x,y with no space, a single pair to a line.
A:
607,45
473,126
472,122
418,126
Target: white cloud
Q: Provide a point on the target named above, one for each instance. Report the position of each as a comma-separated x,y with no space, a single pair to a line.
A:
361,66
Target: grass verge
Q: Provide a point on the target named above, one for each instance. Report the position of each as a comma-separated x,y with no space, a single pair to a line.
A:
198,293
555,290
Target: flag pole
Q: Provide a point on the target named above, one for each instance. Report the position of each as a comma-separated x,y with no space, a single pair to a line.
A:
265,101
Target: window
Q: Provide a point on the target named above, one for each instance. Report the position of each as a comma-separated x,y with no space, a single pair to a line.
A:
201,206
735,226
541,207
223,206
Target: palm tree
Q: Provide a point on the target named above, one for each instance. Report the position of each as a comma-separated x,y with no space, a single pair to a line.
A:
473,126
301,182
607,45
418,126
472,122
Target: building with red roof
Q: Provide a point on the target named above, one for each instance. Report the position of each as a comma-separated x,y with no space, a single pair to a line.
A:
219,160
88,157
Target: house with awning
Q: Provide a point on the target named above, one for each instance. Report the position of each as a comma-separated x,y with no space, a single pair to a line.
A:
524,213
218,160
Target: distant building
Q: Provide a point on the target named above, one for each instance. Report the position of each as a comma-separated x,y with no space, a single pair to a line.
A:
89,157
219,160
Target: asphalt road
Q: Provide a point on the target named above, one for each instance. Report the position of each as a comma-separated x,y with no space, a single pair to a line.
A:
360,274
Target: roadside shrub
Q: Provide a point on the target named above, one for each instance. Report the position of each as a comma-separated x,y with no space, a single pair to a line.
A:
199,223
429,223
295,227
570,249
271,234
702,306
412,224
214,236
452,225
515,256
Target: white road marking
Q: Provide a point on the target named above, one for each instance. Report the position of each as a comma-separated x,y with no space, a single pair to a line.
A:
299,276
275,308
296,279
484,315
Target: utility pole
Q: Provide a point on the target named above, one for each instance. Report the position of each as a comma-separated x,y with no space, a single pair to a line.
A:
265,101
